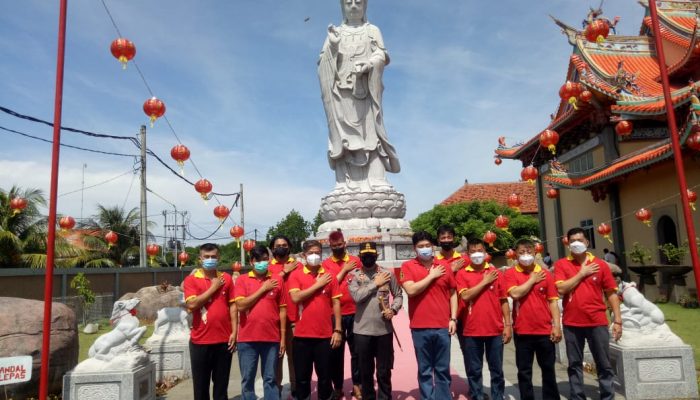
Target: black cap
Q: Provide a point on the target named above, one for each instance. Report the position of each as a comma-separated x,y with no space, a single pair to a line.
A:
368,247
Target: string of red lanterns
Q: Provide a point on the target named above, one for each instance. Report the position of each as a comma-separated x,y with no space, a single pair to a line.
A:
111,239
154,109
597,31
604,230
123,50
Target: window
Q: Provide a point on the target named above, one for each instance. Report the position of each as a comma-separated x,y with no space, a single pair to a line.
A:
587,225
582,163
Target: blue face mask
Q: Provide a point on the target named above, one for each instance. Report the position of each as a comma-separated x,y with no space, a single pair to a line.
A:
425,252
210,263
260,267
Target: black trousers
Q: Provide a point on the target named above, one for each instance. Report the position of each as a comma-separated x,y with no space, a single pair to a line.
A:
598,339
338,356
210,362
312,354
379,350
527,347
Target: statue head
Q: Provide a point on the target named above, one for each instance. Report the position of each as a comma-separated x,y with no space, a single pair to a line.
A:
354,11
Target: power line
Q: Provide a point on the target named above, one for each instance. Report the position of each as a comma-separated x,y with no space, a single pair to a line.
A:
98,184
66,145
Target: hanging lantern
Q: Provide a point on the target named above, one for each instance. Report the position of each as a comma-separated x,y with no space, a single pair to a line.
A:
17,204
597,31
152,250
692,198
565,241
123,50
570,91
511,255
236,266
66,223
529,174
237,233
221,212
623,128
549,139
552,193
490,238
248,245
502,222
154,108
539,248
180,153
604,229
203,187
487,258
514,201
693,141
183,257
111,238
586,96
644,216
497,161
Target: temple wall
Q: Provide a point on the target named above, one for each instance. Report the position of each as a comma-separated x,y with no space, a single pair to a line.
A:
547,209
577,206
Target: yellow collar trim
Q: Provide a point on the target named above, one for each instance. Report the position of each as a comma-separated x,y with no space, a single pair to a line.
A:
471,269
455,254
308,271
199,273
253,275
345,258
536,269
589,257
274,260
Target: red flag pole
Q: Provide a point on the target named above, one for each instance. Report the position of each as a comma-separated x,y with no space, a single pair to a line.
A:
53,196
675,142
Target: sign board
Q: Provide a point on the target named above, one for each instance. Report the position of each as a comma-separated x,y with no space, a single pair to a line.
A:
15,369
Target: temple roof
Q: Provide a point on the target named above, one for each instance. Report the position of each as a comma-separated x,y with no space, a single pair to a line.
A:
497,192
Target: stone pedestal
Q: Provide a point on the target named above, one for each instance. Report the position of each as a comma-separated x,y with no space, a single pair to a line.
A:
171,360
137,384
654,372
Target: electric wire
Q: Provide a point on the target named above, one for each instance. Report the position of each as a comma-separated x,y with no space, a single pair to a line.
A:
97,184
67,145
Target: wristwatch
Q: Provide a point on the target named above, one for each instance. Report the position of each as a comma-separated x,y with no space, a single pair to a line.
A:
453,319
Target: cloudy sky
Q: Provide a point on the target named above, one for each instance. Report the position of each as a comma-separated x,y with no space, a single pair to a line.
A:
240,85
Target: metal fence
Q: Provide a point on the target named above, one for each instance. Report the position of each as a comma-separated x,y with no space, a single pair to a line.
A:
100,309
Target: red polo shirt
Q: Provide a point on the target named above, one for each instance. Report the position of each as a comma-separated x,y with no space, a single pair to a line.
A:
314,313
211,324
260,323
431,308
334,265
531,313
584,305
484,316
276,268
461,307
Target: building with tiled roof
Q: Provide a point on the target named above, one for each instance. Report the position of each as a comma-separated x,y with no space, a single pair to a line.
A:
600,176
497,192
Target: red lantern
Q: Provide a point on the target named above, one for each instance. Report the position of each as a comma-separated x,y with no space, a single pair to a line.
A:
66,223
597,31
604,229
502,222
221,212
693,141
237,233
248,245
552,193
152,250
154,108
692,198
549,139
514,201
183,257
623,128
17,204
511,255
497,161
565,241
644,216
539,248
586,96
570,91
111,238
236,266
487,258
180,153
529,174
203,187
123,50
490,238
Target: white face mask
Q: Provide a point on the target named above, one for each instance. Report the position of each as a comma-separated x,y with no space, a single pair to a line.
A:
577,247
477,258
526,260
313,260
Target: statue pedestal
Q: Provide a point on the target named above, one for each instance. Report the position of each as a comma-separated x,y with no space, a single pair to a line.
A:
394,247
136,384
654,372
170,360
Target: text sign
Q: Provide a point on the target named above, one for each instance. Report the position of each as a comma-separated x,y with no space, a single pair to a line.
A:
15,369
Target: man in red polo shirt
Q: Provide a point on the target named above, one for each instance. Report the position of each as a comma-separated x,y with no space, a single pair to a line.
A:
583,280
263,320
342,264
317,296
535,321
487,324
432,311
209,297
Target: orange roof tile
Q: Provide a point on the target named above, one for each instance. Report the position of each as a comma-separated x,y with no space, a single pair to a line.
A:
498,192
669,34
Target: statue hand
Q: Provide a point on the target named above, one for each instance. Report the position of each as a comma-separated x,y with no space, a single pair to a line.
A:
362,67
333,35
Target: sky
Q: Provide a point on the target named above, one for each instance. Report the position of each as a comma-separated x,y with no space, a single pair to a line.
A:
241,89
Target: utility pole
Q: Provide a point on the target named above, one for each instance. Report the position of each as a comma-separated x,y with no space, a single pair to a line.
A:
242,225
165,235
174,227
82,192
144,218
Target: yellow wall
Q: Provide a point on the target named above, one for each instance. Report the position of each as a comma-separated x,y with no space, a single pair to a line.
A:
598,156
626,147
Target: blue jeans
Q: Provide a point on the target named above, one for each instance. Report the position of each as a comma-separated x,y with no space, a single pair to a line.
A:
432,347
248,355
474,347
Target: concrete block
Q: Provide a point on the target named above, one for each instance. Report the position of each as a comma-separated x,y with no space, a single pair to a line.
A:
171,360
139,384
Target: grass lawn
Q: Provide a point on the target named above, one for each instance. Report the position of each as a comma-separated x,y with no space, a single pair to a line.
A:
684,322
86,340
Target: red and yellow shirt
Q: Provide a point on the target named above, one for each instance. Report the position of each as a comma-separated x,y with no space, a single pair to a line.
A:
584,306
484,315
275,267
211,324
531,313
334,265
461,307
431,308
314,314
261,322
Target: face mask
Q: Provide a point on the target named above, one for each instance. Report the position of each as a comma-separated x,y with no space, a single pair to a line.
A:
313,260
447,246
477,258
425,252
369,260
338,252
260,267
210,263
526,260
577,247
280,252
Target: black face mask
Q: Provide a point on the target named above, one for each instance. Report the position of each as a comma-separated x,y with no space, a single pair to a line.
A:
280,252
369,260
447,246
338,252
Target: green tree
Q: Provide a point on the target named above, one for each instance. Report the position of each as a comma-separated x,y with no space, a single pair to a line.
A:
81,284
293,226
473,219
318,220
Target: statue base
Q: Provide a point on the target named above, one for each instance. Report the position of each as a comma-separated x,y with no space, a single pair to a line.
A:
393,245
172,360
135,384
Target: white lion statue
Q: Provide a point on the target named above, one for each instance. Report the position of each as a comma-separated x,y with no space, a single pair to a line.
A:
643,323
126,332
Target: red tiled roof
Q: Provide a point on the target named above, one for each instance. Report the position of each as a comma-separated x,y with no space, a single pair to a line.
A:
669,34
498,192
